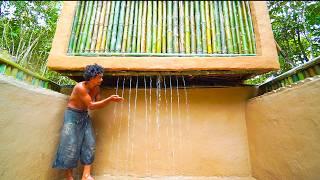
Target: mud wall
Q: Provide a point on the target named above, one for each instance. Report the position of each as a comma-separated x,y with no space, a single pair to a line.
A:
30,122
206,136
284,133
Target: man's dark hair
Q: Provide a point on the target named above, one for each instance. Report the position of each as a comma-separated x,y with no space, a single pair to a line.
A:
91,71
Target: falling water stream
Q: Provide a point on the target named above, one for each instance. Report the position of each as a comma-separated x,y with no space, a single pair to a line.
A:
163,119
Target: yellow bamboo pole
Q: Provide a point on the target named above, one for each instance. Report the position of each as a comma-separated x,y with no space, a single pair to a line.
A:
208,23
159,34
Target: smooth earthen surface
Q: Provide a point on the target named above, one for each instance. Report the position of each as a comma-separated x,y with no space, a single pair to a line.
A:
284,132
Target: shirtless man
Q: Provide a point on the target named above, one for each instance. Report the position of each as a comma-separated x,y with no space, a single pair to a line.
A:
77,141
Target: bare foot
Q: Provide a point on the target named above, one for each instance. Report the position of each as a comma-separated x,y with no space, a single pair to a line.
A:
88,177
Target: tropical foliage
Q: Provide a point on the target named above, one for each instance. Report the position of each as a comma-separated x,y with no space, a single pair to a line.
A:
295,26
26,32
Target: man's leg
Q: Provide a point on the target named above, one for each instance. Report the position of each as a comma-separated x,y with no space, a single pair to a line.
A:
87,151
69,174
86,173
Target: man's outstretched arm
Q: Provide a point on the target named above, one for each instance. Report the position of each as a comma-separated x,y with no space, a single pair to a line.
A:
86,98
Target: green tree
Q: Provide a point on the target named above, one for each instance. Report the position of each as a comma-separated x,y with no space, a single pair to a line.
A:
295,26
27,29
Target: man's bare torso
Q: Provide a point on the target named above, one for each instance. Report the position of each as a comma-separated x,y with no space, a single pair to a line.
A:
76,102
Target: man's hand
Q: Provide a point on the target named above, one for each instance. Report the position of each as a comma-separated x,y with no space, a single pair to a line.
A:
116,98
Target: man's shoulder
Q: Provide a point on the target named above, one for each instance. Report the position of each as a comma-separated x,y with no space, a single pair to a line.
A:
79,88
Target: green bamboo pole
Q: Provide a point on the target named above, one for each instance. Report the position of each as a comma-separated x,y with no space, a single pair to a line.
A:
222,29
80,25
126,26
101,26
169,28
233,29
187,27
95,27
115,27
227,28
110,26
139,36
192,28
158,54
246,26
75,26
208,25
181,28
135,26
203,28
252,37
84,31
175,27
237,28
164,27
129,43
242,30
144,26
154,27
198,27
217,26
105,26
159,33
90,30
121,26
149,28
212,25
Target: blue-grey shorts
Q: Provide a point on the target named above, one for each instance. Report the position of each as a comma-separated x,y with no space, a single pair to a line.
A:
77,141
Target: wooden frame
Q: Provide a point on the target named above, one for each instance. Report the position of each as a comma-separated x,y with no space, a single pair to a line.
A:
265,60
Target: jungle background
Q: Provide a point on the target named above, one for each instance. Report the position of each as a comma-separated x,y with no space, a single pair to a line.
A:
27,29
